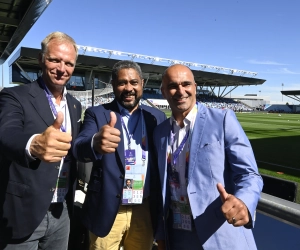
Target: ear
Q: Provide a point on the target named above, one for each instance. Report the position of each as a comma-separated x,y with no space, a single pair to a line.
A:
162,92
142,83
41,59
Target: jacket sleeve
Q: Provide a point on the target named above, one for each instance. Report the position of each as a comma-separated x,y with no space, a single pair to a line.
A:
13,138
83,150
247,181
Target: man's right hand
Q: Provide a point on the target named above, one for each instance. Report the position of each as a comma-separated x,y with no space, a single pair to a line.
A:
161,245
108,138
52,145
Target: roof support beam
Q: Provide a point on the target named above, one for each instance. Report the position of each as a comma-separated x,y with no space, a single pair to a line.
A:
212,90
4,39
230,90
223,91
296,98
9,21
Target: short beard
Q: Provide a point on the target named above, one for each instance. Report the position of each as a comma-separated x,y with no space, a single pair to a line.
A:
129,106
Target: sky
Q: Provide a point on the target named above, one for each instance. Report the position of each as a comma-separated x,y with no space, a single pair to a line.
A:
261,36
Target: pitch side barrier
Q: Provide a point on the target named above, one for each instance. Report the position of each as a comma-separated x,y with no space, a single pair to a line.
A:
278,208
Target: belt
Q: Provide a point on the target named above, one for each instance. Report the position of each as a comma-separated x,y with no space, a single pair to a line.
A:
54,206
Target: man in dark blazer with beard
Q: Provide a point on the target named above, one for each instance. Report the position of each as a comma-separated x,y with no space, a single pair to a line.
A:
110,133
37,168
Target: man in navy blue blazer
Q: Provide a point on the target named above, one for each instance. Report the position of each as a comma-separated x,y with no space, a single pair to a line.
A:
117,138
37,168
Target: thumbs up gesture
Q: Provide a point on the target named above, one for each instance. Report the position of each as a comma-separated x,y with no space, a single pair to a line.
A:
52,145
234,210
108,138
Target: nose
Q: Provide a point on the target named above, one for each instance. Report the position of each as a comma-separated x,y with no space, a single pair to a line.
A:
180,90
128,87
61,67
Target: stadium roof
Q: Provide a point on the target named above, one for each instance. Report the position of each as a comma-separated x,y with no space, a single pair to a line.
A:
16,19
294,94
27,58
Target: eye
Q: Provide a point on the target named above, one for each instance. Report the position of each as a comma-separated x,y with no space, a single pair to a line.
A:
134,83
53,60
186,84
120,83
172,86
70,64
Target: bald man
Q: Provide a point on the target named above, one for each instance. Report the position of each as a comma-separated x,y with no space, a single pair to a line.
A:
210,181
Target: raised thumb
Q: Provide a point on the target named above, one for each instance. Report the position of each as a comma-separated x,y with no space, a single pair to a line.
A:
113,119
222,192
58,121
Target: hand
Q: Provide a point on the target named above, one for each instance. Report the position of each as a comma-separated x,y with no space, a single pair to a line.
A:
52,145
108,138
161,245
234,210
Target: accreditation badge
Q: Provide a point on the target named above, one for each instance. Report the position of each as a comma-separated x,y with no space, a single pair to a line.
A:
130,158
134,194
182,217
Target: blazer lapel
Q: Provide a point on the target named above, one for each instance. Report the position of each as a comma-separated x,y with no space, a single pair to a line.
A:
162,156
196,138
73,114
40,103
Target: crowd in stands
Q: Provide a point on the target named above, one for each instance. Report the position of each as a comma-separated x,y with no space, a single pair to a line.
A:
222,103
86,102
208,101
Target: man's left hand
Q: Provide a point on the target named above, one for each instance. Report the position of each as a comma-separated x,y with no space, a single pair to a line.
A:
234,210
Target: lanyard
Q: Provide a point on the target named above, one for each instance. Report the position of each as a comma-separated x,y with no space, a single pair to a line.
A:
180,148
129,136
52,106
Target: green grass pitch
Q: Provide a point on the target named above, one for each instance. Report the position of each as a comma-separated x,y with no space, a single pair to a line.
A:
275,140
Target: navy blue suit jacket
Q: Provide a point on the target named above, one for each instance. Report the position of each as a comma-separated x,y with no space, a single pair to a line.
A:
26,186
104,192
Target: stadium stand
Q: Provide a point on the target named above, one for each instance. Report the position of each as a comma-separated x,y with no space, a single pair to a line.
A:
279,108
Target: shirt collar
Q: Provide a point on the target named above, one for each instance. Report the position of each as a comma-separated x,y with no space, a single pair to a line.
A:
124,111
64,92
188,119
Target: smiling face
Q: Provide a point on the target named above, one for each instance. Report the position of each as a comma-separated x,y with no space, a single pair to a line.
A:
57,63
179,88
128,88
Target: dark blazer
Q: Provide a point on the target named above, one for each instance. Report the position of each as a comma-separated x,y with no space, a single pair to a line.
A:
104,192
26,185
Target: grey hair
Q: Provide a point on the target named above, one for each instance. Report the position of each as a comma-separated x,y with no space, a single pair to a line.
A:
60,37
125,64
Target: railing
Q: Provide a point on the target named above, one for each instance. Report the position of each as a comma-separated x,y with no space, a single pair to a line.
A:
282,210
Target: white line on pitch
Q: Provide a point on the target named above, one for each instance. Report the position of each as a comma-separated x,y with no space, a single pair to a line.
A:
279,165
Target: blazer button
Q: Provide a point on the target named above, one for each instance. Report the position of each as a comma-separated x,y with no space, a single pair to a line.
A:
57,167
52,189
118,196
121,176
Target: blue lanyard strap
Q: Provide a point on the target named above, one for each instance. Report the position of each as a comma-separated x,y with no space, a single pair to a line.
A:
51,104
129,136
180,148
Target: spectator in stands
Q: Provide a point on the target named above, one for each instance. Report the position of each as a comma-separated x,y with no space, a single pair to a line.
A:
37,180
210,175
117,138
